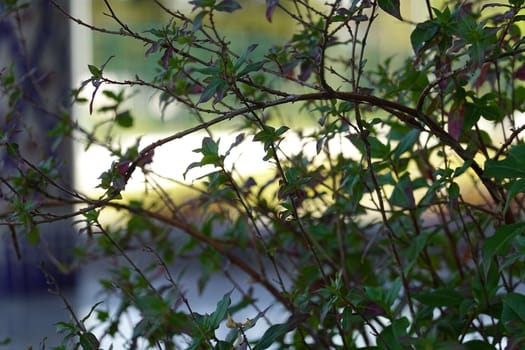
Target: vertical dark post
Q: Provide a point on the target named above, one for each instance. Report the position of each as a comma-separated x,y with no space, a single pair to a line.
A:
34,44
34,50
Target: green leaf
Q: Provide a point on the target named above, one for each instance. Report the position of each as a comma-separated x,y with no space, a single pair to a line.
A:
517,186
278,330
393,292
65,327
88,341
403,194
416,247
423,34
271,335
492,112
33,236
505,168
240,61
210,153
152,306
95,71
406,143
196,343
281,130
269,135
212,70
124,119
471,116
499,242
442,297
513,313
197,21
220,311
518,152
461,169
211,89
378,149
228,6
191,166
110,94
209,146
12,148
222,345
391,7
391,335
453,192
252,67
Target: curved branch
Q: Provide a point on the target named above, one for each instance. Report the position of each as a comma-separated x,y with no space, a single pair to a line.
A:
407,114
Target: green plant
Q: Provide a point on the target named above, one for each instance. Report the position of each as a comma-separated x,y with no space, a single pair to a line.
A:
388,212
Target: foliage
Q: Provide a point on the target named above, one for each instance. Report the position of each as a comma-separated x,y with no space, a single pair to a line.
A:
385,211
